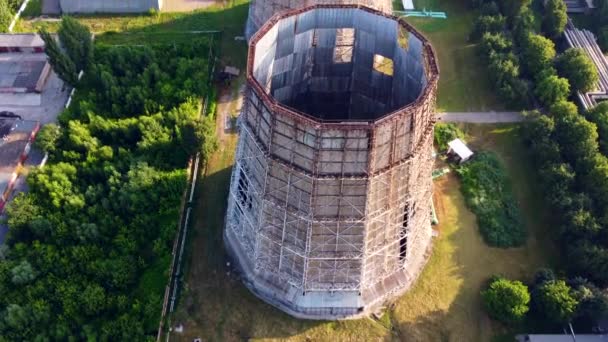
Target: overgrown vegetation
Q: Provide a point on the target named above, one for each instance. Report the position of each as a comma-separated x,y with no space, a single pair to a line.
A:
487,190
89,245
446,132
75,52
520,59
564,146
546,303
506,300
6,14
578,68
599,23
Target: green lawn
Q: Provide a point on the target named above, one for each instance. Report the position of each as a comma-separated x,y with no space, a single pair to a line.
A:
33,9
463,80
165,28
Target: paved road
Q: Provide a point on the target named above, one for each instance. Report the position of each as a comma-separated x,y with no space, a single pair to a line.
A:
481,117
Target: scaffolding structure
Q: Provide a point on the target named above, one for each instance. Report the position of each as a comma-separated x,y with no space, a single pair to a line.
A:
260,11
330,200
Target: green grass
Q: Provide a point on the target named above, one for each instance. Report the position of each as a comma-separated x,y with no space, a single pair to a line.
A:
33,9
397,5
463,82
165,28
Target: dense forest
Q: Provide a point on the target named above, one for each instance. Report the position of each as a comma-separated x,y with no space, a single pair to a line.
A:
564,143
89,245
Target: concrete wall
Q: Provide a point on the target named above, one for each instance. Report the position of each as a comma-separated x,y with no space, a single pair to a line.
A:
109,6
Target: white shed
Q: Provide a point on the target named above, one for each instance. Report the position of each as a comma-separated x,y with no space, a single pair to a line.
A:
458,149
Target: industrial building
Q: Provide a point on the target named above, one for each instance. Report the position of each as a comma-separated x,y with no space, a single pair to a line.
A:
262,10
330,200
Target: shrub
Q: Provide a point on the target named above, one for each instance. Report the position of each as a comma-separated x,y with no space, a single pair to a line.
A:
577,67
555,300
506,300
487,191
487,23
538,53
6,15
551,89
47,137
444,133
554,18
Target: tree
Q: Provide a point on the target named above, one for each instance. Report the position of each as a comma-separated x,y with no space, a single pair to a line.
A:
555,18
444,133
506,300
77,41
494,43
61,63
577,67
523,23
21,210
23,273
513,7
538,53
599,116
590,261
543,275
47,138
552,89
555,300
487,24
6,16
593,302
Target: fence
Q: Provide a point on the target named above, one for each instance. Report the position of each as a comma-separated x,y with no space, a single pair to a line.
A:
173,285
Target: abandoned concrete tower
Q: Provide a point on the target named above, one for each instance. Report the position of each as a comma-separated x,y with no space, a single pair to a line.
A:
262,10
330,201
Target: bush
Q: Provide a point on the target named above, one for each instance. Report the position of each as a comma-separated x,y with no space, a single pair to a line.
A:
555,300
506,300
487,23
577,67
551,89
487,191
444,133
554,18
538,53
47,138
6,15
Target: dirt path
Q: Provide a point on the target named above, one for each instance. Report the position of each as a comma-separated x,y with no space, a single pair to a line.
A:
229,104
481,117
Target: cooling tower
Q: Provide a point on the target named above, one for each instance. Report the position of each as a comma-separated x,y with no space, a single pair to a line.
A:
262,10
330,200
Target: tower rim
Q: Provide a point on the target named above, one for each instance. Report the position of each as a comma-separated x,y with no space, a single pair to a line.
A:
431,69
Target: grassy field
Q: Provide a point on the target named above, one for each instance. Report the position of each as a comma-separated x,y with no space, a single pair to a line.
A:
443,305
463,85
165,28
463,82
